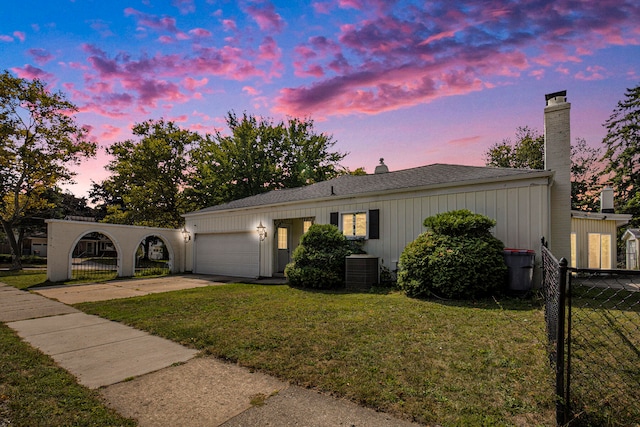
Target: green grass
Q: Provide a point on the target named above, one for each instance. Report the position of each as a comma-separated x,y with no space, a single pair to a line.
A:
450,363
27,279
24,279
34,391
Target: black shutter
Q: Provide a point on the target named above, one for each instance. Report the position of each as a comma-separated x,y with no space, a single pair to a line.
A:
374,224
334,218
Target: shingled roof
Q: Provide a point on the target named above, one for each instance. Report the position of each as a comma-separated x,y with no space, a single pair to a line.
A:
435,175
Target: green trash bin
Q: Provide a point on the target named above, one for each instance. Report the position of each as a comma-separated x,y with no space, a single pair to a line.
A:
520,264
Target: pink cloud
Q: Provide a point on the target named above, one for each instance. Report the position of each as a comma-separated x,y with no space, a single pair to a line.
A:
6,38
266,17
31,72
41,56
151,21
322,7
192,84
353,4
185,6
229,25
593,72
110,132
250,90
415,54
101,27
465,142
20,35
200,32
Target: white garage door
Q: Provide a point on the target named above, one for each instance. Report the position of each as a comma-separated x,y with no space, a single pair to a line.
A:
229,254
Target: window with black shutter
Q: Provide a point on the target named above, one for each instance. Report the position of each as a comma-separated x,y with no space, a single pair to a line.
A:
374,224
334,219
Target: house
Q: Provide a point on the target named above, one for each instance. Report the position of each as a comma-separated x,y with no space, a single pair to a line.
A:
594,235
631,238
385,210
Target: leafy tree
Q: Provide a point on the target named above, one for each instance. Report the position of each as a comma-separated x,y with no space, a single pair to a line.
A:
147,176
528,152
622,155
585,176
39,142
260,156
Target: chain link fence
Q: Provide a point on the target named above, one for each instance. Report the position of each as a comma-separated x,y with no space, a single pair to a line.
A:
595,349
604,347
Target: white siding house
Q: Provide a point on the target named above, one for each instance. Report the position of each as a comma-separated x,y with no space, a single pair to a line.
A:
386,209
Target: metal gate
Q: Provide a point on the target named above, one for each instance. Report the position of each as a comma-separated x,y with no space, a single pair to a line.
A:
94,258
152,257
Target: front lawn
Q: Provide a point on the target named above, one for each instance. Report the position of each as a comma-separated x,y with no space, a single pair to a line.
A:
452,363
24,279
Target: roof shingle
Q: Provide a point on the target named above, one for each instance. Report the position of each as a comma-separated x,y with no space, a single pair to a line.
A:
352,185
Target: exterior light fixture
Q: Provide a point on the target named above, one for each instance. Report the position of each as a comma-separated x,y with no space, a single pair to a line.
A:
262,231
185,234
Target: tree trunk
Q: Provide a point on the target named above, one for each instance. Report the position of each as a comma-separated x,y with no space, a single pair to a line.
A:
16,264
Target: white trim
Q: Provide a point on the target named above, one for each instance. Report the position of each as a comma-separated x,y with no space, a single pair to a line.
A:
341,214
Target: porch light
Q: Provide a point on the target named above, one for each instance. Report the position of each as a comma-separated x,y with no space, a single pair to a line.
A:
262,231
185,234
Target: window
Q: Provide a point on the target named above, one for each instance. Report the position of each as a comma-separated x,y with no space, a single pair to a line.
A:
599,250
283,238
574,250
354,224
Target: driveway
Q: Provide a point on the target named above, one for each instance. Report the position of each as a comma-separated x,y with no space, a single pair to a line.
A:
73,294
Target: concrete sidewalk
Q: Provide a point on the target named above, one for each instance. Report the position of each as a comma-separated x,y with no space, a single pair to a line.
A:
159,382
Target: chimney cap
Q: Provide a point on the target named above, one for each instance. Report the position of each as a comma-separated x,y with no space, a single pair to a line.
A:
555,94
381,168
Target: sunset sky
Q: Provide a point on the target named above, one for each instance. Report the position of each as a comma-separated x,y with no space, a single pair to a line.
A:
415,82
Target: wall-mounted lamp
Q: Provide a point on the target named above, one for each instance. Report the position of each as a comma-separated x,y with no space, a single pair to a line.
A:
262,231
186,234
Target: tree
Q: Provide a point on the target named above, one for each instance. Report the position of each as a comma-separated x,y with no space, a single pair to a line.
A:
147,176
586,172
39,143
260,156
622,155
528,152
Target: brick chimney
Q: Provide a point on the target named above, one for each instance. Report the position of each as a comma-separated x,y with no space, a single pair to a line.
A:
557,157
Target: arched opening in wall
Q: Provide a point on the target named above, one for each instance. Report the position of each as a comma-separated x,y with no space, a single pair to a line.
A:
152,257
94,258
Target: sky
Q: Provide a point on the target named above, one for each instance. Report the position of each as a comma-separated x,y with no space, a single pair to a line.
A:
413,82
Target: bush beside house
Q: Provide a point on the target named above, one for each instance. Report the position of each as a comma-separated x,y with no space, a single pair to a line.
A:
457,257
319,260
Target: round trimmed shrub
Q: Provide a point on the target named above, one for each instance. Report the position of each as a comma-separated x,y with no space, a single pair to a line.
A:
319,260
457,257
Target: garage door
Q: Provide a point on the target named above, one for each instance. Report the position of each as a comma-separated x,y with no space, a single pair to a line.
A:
228,254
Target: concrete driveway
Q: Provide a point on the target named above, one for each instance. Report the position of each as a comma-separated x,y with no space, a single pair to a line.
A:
73,294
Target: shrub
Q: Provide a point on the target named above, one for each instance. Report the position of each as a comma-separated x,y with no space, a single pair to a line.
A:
457,258
319,260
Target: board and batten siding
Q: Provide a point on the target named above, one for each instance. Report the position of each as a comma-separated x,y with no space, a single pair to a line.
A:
582,227
520,208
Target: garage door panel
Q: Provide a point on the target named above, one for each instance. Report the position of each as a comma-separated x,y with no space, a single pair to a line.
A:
229,254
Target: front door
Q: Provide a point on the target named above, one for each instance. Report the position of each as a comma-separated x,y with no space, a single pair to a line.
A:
284,252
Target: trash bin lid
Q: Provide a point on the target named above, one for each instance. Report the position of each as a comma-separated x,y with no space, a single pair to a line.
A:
519,251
